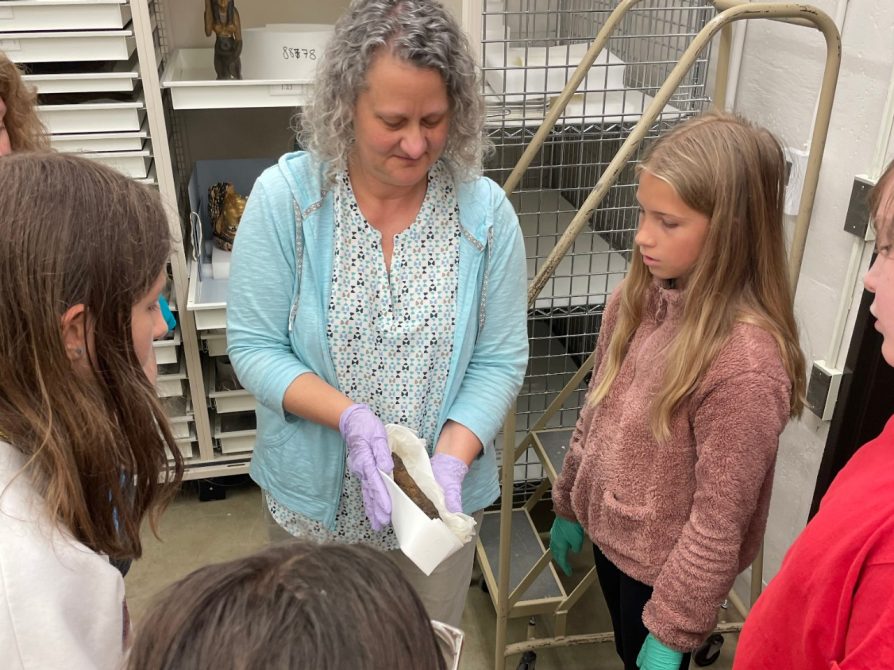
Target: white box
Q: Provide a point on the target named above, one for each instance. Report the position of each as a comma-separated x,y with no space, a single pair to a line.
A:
133,164
63,46
215,342
181,429
170,382
190,76
225,391
116,76
22,15
235,433
166,349
229,402
220,263
93,117
284,50
82,143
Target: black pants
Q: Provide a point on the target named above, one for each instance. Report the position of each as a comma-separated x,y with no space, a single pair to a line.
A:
626,599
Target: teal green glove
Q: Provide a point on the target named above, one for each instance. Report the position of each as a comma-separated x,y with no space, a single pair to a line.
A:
656,656
565,535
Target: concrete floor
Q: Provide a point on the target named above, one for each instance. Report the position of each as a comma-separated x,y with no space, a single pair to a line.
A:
195,533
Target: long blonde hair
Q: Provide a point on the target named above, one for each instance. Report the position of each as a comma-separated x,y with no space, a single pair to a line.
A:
74,232
734,173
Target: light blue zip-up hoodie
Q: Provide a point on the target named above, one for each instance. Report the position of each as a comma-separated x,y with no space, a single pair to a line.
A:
280,282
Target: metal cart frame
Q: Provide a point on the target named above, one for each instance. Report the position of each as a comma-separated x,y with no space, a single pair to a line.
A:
509,602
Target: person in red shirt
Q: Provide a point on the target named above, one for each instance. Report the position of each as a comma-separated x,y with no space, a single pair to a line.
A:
832,603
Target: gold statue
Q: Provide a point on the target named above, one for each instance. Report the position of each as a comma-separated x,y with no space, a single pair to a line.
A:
225,208
222,18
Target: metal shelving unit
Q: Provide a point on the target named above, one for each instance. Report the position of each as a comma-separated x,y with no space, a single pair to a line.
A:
184,83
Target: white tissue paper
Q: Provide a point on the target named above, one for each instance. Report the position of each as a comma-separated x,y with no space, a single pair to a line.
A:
426,542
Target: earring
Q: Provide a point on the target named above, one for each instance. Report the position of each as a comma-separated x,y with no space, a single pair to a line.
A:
76,352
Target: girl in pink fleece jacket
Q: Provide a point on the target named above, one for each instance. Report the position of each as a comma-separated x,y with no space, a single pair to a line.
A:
698,370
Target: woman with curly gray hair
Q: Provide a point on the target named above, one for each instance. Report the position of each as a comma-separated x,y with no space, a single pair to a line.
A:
377,278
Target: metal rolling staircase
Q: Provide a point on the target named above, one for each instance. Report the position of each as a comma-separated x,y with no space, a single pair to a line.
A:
515,562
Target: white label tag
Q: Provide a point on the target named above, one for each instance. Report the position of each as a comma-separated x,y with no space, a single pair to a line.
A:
284,89
9,45
6,13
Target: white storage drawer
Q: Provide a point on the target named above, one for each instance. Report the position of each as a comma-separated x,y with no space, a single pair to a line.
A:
166,350
225,391
82,143
93,117
181,428
207,299
170,380
151,180
235,433
20,15
227,402
180,416
215,342
114,77
68,46
186,445
191,78
133,164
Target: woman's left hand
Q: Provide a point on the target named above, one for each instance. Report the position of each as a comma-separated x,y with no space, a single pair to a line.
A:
449,472
656,656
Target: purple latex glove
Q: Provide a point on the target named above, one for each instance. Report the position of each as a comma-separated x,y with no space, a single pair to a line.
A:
449,472
368,452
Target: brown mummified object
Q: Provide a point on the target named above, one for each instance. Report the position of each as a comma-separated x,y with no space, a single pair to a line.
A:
403,479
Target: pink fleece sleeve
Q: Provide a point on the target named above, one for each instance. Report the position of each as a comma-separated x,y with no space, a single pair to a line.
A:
737,426
562,488
568,475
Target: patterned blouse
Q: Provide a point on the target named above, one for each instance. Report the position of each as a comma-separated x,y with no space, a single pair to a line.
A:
390,334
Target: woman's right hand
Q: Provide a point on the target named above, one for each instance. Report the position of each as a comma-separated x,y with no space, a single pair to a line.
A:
368,452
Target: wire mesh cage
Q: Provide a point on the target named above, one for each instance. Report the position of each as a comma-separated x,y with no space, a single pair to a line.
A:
529,50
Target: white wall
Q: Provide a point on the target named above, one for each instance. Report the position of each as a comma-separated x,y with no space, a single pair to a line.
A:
779,83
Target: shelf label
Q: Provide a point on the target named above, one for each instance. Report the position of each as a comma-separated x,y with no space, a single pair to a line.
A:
6,13
299,53
284,89
9,45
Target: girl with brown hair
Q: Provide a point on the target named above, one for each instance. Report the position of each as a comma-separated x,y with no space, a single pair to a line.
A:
82,436
294,605
698,370
20,127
